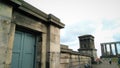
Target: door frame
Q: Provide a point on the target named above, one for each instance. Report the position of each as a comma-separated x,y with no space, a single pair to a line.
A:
38,38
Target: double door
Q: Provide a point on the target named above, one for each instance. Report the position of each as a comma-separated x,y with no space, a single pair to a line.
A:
23,50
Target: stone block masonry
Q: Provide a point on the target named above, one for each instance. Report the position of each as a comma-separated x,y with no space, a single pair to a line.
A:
72,59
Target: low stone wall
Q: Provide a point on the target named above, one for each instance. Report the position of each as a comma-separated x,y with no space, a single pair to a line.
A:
72,59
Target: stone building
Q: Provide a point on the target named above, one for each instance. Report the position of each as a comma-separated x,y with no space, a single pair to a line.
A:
87,46
29,38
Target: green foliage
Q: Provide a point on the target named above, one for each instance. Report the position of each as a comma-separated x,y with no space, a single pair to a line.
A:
115,60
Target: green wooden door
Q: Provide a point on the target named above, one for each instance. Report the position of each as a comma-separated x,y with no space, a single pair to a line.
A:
23,50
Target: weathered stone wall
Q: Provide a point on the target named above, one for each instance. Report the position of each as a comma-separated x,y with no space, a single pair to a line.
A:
72,59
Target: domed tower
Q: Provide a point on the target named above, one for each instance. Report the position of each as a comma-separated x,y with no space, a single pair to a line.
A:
87,46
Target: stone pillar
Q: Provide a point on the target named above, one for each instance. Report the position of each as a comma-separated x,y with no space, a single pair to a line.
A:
102,49
110,49
105,49
116,51
5,22
53,46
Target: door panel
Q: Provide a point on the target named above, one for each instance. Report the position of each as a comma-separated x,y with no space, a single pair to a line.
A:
16,57
28,52
23,50
16,61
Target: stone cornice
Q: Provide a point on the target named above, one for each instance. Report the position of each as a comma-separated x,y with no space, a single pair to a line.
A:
48,18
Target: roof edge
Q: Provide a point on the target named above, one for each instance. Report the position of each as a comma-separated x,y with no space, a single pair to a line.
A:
49,18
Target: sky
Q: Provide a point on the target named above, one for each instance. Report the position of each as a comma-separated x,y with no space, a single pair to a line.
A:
100,18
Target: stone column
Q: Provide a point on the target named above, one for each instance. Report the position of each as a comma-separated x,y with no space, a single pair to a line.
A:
105,49
102,49
110,50
116,51
5,22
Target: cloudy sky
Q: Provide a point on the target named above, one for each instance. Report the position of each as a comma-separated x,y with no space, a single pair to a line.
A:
100,18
